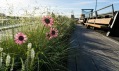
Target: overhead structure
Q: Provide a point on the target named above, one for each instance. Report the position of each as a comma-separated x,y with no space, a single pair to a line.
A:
87,12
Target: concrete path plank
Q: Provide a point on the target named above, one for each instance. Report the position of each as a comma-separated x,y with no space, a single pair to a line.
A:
92,51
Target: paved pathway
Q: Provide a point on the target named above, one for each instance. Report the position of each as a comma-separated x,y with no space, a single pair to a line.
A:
91,51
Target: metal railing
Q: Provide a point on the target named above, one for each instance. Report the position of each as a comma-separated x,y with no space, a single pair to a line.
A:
96,12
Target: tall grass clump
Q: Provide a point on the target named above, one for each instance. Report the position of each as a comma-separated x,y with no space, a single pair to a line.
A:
40,46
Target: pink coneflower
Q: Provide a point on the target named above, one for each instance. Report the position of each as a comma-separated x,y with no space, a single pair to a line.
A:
20,38
47,21
53,32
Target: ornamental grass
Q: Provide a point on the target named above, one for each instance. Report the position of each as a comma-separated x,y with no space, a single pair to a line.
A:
41,45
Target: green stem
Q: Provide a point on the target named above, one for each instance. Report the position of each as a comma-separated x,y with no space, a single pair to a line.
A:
42,30
13,33
42,33
38,65
12,64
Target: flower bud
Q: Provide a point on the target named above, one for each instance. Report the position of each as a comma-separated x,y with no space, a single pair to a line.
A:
32,53
1,49
8,58
29,45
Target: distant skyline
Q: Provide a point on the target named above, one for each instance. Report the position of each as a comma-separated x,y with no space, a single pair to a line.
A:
63,7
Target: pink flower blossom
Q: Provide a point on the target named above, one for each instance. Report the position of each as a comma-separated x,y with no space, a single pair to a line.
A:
20,38
48,36
53,32
47,21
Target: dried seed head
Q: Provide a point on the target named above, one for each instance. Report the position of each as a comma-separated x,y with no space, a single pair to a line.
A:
32,53
1,49
29,45
8,58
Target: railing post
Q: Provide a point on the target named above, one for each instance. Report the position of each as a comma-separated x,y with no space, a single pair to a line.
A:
13,33
96,14
89,15
113,10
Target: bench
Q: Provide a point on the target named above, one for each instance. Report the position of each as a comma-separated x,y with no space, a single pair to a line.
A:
98,23
80,21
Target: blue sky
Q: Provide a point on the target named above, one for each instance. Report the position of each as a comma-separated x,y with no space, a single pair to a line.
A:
63,7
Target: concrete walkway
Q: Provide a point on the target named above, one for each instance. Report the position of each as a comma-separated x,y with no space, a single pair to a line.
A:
91,51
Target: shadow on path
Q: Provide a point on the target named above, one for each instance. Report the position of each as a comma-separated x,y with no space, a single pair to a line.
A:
91,51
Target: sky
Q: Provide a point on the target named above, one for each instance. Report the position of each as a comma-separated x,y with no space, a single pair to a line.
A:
62,7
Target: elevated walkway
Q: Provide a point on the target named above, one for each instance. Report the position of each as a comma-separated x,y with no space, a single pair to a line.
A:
92,51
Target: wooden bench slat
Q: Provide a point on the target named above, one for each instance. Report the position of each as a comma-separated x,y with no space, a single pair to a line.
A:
96,25
105,21
86,23
91,20
80,21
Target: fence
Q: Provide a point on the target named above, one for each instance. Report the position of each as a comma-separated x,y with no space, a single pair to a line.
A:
9,26
96,13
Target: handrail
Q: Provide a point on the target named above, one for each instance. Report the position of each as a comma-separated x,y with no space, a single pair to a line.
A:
104,8
13,26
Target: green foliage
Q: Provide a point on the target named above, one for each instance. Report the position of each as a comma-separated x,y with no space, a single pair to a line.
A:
50,55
